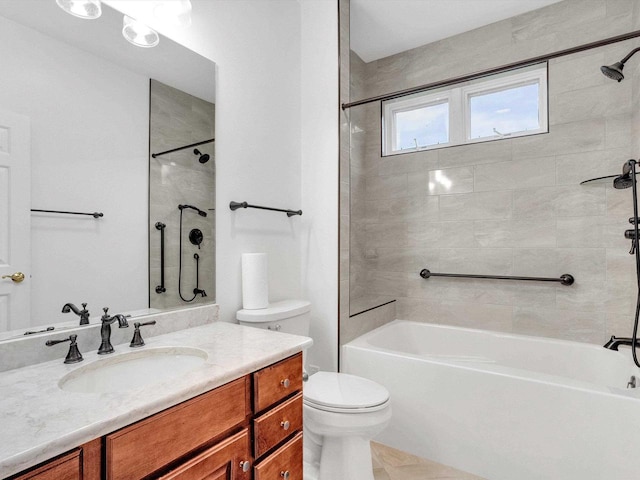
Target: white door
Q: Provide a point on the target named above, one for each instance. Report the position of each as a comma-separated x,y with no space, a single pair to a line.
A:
15,220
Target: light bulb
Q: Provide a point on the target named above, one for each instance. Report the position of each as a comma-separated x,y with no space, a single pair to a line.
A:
87,9
138,33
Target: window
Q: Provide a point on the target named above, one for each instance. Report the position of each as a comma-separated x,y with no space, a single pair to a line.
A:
505,105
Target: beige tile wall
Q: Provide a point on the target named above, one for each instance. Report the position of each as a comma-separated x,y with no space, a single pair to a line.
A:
345,178
178,119
516,206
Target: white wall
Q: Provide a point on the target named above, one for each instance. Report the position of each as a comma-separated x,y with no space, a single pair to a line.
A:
263,109
319,133
89,143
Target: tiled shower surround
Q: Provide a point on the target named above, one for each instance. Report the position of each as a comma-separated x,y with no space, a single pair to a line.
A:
515,206
179,119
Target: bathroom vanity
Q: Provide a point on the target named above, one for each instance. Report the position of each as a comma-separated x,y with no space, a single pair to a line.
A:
237,416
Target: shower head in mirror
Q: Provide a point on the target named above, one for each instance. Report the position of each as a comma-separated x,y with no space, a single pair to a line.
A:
202,213
204,158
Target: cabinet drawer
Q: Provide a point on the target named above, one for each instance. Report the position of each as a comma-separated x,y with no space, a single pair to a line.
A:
67,467
276,425
276,382
144,447
287,459
225,460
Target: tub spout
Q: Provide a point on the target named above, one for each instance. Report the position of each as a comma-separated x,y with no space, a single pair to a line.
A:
614,342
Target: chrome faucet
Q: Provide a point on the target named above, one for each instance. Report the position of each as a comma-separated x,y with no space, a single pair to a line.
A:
105,330
614,342
83,314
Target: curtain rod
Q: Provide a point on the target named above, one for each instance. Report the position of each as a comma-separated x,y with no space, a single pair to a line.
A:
154,155
492,71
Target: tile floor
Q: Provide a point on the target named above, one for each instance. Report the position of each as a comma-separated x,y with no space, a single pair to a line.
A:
392,464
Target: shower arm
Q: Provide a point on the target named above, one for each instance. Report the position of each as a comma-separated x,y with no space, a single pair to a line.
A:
630,54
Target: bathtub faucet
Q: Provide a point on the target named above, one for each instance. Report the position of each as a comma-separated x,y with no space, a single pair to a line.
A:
614,342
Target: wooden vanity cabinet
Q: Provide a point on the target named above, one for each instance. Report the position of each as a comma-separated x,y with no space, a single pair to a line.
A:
277,427
82,463
250,428
152,444
223,461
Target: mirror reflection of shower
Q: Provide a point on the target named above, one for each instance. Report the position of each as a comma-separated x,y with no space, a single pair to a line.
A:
182,172
195,237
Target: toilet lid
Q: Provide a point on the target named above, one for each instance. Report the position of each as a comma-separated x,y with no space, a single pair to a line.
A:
329,390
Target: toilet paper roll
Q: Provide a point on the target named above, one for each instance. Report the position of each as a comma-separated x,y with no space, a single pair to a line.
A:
255,281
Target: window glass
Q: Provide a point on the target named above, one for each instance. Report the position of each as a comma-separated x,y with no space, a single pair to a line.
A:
422,127
508,104
504,112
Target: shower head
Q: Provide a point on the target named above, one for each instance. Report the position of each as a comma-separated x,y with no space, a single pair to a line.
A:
614,72
627,178
202,213
203,158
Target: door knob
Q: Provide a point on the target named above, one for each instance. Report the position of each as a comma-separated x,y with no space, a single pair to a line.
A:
16,277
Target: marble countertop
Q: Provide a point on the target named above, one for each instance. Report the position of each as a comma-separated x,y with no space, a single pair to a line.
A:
38,420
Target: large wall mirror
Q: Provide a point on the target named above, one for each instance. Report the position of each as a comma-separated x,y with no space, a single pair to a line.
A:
81,112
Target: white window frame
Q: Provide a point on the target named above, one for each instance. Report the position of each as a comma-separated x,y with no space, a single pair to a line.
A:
391,109
459,98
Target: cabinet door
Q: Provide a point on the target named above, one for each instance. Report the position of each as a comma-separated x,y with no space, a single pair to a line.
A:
278,381
143,448
283,464
66,467
227,460
276,425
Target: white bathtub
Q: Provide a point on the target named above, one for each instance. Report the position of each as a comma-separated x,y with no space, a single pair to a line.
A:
503,406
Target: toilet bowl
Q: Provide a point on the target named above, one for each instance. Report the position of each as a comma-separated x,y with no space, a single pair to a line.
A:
342,412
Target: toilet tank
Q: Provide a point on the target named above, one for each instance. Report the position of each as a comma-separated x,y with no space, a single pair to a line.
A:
288,316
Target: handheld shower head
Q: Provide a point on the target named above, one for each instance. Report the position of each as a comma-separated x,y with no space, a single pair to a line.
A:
202,213
203,158
627,178
614,72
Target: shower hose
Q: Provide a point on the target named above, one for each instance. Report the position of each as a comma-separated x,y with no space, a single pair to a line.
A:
636,249
194,295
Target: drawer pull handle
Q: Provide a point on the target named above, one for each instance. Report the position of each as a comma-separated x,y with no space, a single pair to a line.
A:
285,424
245,466
285,475
285,383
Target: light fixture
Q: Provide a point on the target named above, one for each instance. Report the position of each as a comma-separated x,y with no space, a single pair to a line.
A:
138,33
88,9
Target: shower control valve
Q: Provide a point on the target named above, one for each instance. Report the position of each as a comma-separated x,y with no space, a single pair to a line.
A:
631,235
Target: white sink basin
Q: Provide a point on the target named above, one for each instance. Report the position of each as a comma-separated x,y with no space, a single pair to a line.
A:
132,370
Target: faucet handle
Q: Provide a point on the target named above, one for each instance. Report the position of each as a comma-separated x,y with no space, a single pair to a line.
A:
106,313
84,315
137,340
74,355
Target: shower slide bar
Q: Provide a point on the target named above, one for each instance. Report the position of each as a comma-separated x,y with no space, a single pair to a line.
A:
160,288
237,205
154,155
565,279
94,214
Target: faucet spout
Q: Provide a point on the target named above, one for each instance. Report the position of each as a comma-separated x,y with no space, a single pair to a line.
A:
614,342
105,330
83,314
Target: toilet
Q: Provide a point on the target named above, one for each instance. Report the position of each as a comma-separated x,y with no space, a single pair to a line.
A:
342,412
